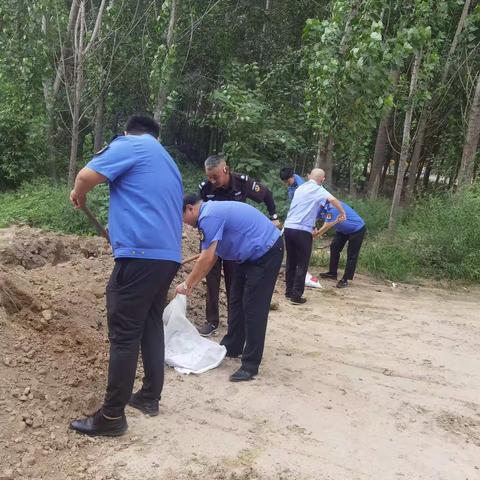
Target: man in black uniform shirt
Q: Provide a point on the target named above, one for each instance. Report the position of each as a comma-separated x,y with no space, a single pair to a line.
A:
222,184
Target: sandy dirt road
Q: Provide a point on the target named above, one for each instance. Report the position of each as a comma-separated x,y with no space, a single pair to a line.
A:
371,382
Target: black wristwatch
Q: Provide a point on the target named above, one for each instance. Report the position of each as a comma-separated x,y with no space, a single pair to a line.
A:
274,217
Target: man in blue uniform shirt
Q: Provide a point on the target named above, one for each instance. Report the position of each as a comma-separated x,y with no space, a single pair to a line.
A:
299,226
291,180
238,232
222,184
351,231
145,227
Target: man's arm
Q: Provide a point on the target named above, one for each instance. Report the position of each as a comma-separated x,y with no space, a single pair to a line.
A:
260,193
85,181
202,266
325,228
336,203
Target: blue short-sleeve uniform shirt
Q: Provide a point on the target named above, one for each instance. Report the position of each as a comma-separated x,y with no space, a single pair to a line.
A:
352,224
146,195
242,232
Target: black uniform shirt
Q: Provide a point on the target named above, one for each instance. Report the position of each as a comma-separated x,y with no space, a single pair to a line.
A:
240,188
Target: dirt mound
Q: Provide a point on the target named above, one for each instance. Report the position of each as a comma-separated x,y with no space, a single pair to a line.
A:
34,248
53,342
15,295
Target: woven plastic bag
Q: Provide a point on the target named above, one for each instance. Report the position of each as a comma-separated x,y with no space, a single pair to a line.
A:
185,349
311,281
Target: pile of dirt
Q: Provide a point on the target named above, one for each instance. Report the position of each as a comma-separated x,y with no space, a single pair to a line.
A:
33,248
53,342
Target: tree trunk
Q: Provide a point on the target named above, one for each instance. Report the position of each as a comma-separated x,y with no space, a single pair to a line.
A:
378,157
420,139
78,75
465,173
99,123
381,145
402,163
352,188
324,159
49,109
416,155
163,89
456,37
268,4
426,175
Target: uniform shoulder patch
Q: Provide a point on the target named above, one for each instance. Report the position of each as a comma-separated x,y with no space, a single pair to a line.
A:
256,187
201,233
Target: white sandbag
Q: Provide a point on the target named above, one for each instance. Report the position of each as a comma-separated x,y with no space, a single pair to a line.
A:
311,281
185,349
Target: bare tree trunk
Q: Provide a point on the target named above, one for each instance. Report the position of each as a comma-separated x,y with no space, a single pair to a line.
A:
78,75
416,155
420,138
324,159
402,163
49,107
268,4
163,90
80,54
465,173
352,188
51,89
99,123
456,37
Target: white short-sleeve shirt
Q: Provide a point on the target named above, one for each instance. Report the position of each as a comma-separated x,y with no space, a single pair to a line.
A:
304,207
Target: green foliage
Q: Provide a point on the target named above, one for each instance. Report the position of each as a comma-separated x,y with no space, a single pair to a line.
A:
374,212
253,133
438,238
44,205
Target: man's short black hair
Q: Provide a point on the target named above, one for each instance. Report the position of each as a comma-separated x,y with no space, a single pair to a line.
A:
213,161
139,124
190,199
286,173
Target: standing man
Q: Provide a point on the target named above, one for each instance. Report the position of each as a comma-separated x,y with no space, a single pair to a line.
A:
299,225
222,184
291,180
351,231
239,233
145,220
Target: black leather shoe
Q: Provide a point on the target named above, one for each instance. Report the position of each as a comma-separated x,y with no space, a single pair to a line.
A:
241,376
97,425
342,283
233,355
330,275
148,407
298,300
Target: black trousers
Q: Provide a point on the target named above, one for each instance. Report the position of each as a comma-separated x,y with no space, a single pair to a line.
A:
353,249
252,289
136,295
213,288
299,249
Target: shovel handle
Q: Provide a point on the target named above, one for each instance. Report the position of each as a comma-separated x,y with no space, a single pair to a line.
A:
93,220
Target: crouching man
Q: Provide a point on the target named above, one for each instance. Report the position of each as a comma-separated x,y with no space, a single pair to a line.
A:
238,232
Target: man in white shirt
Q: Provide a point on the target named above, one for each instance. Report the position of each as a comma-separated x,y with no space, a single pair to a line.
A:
299,227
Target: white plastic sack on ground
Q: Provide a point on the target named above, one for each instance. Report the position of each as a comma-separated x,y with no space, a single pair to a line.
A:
311,281
185,349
